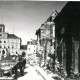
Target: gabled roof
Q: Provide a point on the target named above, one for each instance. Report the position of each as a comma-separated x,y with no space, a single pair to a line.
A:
13,36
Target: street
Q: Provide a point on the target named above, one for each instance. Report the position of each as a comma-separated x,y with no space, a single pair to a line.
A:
39,40
31,73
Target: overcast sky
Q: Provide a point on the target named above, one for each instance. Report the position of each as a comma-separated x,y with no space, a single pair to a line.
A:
23,18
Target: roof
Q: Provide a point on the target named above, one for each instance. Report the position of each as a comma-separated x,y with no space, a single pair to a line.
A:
13,36
24,47
69,17
37,31
2,25
68,13
33,42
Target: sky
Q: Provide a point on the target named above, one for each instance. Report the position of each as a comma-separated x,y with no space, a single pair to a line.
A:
23,18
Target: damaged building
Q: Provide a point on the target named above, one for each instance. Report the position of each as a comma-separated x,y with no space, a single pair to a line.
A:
67,40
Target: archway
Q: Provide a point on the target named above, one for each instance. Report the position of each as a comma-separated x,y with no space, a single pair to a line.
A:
3,52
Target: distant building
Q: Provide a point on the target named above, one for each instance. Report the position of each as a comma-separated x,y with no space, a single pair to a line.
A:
9,43
23,48
31,49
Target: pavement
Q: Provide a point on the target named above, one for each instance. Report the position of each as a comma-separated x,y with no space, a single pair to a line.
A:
35,72
31,74
47,74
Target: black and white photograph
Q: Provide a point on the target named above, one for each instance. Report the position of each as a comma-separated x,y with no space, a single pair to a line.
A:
39,40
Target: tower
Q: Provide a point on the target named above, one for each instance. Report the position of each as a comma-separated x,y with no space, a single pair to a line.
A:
2,28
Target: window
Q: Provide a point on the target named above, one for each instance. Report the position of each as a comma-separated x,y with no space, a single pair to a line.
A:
3,52
0,41
29,48
28,42
4,41
8,47
31,42
16,52
4,47
0,46
0,34
12,47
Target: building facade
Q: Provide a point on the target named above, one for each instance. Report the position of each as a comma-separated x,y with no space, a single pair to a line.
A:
31,49
67,31
9,43
46,39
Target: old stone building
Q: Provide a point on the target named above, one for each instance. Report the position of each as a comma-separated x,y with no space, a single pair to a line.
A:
45,39
67,32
